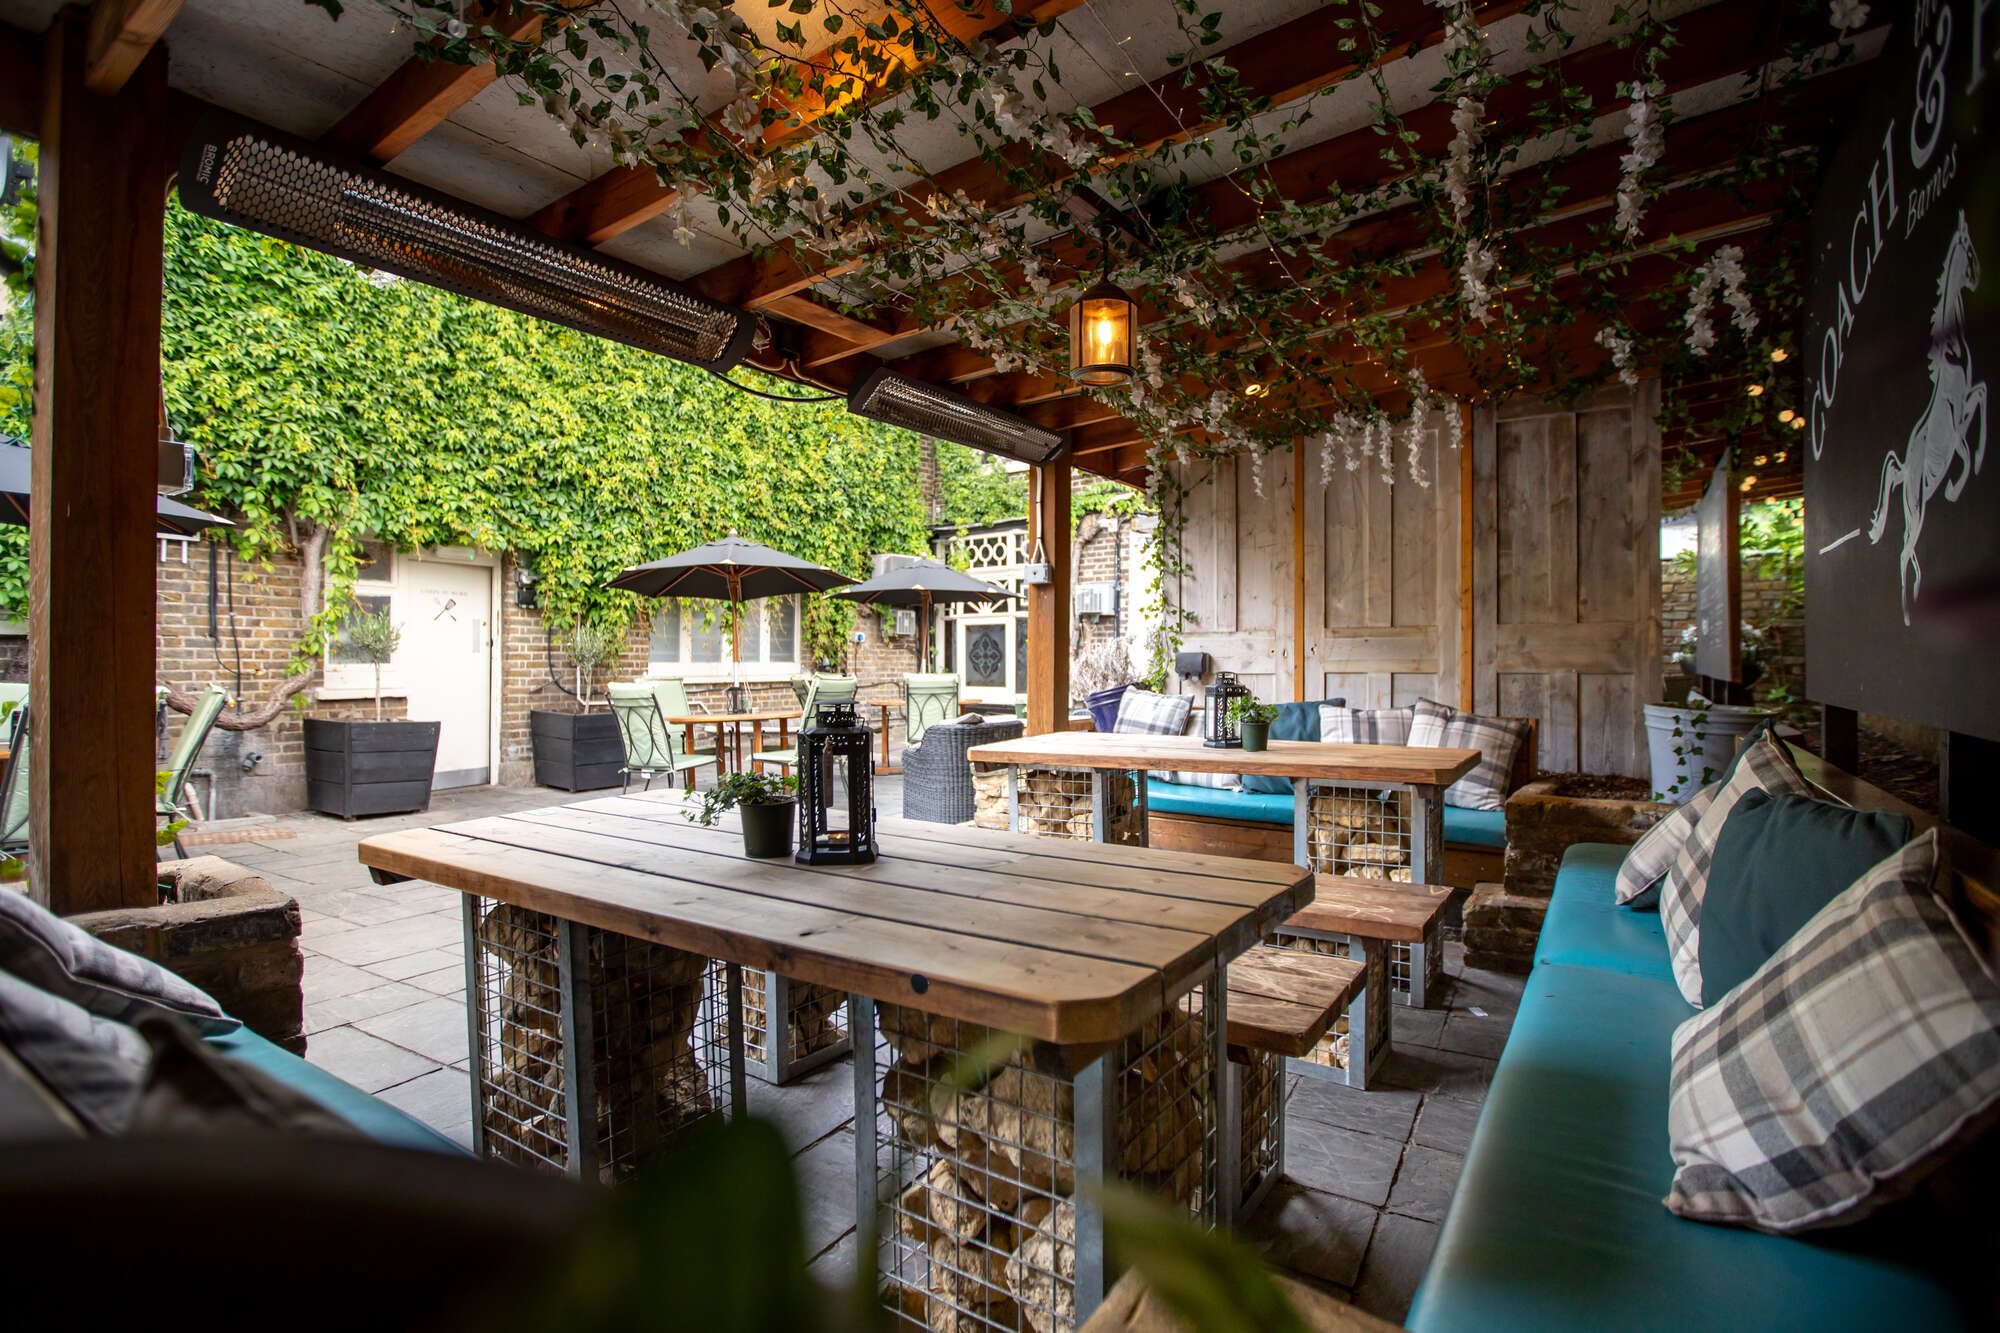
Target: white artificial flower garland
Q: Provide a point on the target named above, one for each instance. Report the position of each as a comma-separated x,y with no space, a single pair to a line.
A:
1648,138
1621,354
1722,273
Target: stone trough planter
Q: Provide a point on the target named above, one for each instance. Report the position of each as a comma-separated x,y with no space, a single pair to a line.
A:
1503,921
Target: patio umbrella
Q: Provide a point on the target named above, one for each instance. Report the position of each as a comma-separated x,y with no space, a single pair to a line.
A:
172,519
731,570
922,584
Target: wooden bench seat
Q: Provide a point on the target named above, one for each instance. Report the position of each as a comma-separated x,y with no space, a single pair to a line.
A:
1373,909
1282,1001
1130,1307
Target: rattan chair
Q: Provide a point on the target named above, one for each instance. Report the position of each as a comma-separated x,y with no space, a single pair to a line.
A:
937,777
650,751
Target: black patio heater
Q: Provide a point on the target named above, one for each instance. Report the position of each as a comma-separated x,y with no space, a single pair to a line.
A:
835,743
1220,730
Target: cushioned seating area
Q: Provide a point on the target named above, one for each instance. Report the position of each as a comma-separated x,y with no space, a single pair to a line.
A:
1585,928
1177,798
1475,828
377,1119
1558,1220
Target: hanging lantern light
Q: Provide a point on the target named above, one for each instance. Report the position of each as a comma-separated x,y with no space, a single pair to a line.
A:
836,744
1102,327
1219,732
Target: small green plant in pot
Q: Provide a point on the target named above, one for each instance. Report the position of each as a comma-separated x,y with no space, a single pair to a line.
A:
767,804
1253,722
375,638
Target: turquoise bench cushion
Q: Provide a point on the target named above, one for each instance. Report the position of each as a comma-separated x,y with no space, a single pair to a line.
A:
1557,1223
1177,798
377,1119
1475,828
1585,928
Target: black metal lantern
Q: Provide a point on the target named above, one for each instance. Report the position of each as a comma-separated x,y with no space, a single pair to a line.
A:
1220,731
836,743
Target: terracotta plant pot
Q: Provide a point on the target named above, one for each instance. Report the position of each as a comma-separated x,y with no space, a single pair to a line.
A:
767,827
1256,735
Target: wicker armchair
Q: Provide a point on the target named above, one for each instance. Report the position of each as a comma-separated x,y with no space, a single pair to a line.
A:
937,777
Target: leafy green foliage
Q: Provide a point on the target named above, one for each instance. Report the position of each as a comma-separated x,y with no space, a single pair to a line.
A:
373,636
742,789
321,397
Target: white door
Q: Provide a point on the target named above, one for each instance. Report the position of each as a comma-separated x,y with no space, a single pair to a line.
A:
445,662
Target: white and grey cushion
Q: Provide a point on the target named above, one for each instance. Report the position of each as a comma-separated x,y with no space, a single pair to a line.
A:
1142,712
1653,854
1763,766
1497,739
1188,778
1854,1060
93,1066
49,952
1365,726
1427,719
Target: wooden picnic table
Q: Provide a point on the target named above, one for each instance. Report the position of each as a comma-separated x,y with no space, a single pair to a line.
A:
1084,951
730,755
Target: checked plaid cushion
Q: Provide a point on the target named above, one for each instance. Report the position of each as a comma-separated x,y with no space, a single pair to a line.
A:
1365,726
1440,727
1764,765
1142,712
1857,1058
1653,855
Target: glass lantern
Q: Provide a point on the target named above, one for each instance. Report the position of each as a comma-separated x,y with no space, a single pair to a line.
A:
834,754
1219,731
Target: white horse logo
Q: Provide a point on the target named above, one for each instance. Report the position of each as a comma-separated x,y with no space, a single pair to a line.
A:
1943,435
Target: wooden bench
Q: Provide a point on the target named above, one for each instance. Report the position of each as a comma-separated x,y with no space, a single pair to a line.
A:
1386,927
1130,1307
1282,1003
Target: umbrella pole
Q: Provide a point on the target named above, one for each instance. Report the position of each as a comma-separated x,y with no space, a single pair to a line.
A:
930,663
736,657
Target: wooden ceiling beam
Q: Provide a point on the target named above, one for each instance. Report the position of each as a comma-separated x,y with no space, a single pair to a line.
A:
422,93
20,82
122,32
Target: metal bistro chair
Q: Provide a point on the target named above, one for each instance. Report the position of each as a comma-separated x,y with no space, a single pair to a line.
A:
818,690
173,802
928,699
672,693
14,789
650,751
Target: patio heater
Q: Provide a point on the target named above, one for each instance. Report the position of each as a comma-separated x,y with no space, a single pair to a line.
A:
1219,731
836,744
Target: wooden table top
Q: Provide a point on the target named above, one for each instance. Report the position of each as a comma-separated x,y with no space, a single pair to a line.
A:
1068,942
1417,765
754,715
1374,909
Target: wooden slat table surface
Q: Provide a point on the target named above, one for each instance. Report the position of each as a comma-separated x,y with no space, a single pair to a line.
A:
1415,765
1062,941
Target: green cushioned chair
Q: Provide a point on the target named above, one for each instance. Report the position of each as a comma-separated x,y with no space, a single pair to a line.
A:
928,699
14,789
650,750
172,802
671,692
817,690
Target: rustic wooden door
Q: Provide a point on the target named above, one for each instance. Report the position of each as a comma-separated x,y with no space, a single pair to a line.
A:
1237,583
1566,573
1382,624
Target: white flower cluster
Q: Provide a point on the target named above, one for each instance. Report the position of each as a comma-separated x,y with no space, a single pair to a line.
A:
1621,353
1847,15
1723,273
1461,157
1017,118
1413,430
1648,138
1473,271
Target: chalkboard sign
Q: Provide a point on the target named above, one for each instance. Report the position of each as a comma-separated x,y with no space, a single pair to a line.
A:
1902,515
1718,580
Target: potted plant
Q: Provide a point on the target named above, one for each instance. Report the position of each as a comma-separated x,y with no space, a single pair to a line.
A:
577,749
768,805
357,767
1253,722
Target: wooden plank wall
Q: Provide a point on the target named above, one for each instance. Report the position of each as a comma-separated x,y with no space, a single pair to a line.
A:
1564,574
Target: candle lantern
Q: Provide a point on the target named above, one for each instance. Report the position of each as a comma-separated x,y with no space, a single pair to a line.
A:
836,744
1220,731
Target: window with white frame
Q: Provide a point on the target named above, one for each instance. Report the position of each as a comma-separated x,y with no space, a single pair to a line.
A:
692,638
374,589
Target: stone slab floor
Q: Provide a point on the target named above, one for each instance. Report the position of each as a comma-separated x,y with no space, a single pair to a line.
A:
1368,1174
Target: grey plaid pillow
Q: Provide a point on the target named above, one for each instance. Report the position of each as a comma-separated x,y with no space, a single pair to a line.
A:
1427,719
1143,712
1764,766
47,951
1854,1060
1438,726
1653,855
1365,726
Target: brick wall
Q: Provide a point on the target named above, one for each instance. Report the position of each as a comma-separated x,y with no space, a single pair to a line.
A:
1784,653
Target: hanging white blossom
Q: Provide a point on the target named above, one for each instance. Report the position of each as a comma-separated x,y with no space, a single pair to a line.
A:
1466,121
1647,138
1257,470
1621,354
1473,272
1413,431
1723,273
1847,15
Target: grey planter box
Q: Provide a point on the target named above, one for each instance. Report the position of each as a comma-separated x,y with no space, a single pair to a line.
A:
576,751
369,768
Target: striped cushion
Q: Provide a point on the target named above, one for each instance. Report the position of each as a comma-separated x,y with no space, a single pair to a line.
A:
1653,855
1764,765
1365,726
1853,1061
1439,726
1142,712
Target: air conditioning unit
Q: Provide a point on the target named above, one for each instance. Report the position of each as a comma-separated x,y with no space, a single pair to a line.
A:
1095,599
888,561
905,624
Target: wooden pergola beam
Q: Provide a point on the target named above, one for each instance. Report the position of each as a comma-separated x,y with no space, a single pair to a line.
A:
1049,603
20,82
122,32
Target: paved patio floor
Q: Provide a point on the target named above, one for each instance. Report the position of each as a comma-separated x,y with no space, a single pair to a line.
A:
1369,1174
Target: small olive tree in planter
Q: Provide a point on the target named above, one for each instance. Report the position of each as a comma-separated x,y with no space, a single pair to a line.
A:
577,749
356,767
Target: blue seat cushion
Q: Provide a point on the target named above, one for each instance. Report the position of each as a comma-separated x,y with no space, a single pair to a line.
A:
1558,1224
1295,722
1475,828
1177,798
1585,928
377,1119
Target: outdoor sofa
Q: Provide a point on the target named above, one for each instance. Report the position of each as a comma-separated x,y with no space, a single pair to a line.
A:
1558,1220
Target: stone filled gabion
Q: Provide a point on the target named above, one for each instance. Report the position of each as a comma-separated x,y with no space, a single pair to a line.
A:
1055,803
1360,833
812,1018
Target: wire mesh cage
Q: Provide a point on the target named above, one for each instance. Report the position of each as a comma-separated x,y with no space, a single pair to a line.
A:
981,1140
1383,833
1368,1012
813,1030
1261,1102
1063,803
589,1049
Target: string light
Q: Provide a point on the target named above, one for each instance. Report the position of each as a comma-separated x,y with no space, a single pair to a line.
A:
1756,391
1779,354
1787,415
